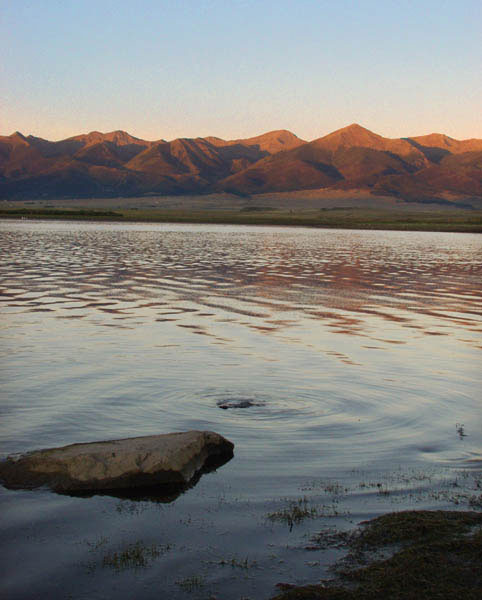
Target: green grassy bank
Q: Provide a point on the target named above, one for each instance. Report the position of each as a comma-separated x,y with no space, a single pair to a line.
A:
343,218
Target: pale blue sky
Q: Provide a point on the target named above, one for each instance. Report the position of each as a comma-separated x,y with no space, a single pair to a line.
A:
236,68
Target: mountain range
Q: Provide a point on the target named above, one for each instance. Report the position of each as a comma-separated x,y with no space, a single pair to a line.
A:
423,168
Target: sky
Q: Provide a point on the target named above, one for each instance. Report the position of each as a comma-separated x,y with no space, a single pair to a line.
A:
238,68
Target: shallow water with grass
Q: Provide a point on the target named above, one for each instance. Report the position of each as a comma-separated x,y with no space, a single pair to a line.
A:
344,366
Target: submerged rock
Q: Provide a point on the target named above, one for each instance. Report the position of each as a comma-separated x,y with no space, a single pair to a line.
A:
238,403
173,458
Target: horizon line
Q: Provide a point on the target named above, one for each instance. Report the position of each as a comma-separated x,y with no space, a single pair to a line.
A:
228,139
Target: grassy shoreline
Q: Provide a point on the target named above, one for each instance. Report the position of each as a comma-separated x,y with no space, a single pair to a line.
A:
462,221
405,556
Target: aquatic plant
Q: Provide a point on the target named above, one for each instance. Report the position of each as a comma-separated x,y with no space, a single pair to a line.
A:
296,512
192,583
134,556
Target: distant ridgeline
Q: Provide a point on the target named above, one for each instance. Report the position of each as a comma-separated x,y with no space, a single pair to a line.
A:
117,164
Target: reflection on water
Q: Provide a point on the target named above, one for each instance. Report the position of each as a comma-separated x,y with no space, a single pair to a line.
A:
367,334
344,281
333,350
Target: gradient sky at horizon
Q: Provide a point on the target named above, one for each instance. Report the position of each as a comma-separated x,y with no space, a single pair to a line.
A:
167,69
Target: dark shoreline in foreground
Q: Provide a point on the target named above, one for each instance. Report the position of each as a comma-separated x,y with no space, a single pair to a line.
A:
432,555
448,220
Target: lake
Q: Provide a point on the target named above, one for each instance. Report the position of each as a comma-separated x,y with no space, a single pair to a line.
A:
358,351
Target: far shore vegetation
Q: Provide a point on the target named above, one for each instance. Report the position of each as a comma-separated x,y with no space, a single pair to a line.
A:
451,220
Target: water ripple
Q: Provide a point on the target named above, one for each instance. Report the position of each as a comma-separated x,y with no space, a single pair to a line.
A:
358,344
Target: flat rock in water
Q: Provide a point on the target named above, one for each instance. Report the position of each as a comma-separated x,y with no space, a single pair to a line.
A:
173,458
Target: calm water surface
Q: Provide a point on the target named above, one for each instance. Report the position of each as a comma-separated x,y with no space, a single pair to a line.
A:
360,352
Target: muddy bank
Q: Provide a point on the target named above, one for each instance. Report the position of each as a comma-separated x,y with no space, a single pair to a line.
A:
431,555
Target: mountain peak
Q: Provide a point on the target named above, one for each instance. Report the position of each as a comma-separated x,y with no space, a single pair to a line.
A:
356,136
440,141
347,137
16,135
353,127
121,137
435,139
270,142
274,141
18,138
118,137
